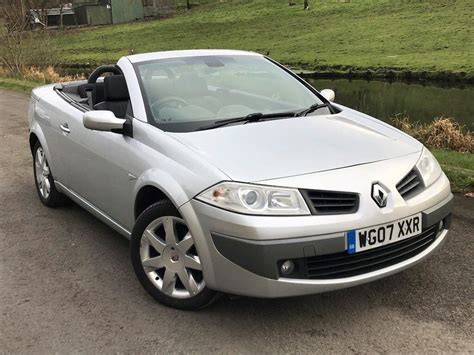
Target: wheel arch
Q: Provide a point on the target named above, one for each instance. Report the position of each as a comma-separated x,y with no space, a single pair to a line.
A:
146,196
155,185
33,139
36,135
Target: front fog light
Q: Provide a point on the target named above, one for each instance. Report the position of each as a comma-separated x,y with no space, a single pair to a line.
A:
287,268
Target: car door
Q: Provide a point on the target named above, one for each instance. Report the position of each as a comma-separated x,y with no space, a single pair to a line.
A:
52,116
102,168
99,167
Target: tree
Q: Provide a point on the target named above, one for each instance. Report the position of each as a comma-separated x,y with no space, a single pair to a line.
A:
61,10
21,48
306,4
42,8
12,50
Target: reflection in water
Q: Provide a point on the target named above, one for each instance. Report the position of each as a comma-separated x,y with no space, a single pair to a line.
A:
421,103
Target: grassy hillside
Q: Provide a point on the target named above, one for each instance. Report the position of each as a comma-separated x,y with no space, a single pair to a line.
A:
433,36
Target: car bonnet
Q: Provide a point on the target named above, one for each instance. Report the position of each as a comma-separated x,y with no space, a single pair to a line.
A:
294,146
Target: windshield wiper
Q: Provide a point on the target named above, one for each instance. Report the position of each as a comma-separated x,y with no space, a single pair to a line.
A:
313,108
253,117
257,116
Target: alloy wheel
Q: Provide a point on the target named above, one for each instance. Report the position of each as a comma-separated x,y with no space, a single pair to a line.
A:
42,173
169,258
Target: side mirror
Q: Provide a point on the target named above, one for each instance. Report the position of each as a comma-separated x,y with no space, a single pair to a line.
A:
328,94
103,121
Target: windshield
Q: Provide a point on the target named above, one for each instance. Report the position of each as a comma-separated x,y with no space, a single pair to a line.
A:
183,94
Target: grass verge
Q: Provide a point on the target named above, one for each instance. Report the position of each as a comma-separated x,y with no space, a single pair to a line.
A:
18,84
459,167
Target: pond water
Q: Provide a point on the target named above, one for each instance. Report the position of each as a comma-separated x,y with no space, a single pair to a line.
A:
421,103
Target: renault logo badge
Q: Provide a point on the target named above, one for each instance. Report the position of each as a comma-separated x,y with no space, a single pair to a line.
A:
379,195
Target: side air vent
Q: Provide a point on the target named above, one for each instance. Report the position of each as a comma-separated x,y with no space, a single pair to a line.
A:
410,185
329,202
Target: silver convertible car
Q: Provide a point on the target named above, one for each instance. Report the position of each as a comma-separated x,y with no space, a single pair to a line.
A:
231,174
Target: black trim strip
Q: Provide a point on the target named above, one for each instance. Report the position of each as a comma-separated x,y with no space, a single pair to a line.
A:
70,101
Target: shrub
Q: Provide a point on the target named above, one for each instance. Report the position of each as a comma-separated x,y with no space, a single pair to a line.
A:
443,133
47,75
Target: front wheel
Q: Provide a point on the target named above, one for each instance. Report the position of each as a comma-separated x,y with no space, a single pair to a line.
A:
166,261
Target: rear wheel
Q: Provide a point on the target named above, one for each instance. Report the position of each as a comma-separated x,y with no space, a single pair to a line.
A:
166,261
44,180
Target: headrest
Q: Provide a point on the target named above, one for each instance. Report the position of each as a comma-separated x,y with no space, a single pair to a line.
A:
116,88
191,85
97,89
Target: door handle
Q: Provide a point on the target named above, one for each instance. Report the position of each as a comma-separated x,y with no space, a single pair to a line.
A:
65,128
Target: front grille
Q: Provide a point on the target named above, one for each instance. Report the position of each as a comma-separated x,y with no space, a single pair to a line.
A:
330,202
340,265
410,185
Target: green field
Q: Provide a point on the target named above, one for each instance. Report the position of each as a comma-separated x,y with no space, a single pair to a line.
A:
334,36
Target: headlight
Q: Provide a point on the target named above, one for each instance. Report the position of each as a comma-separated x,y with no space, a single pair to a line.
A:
428,167
255,199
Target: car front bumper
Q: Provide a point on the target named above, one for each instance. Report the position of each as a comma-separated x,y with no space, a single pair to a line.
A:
240,253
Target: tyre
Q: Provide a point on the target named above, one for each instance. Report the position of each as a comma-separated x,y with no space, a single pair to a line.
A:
166,260
44,180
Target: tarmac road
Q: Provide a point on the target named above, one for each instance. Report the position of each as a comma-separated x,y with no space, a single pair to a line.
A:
66,284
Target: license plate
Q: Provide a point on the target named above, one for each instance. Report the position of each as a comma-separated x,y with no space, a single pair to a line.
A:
383,234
